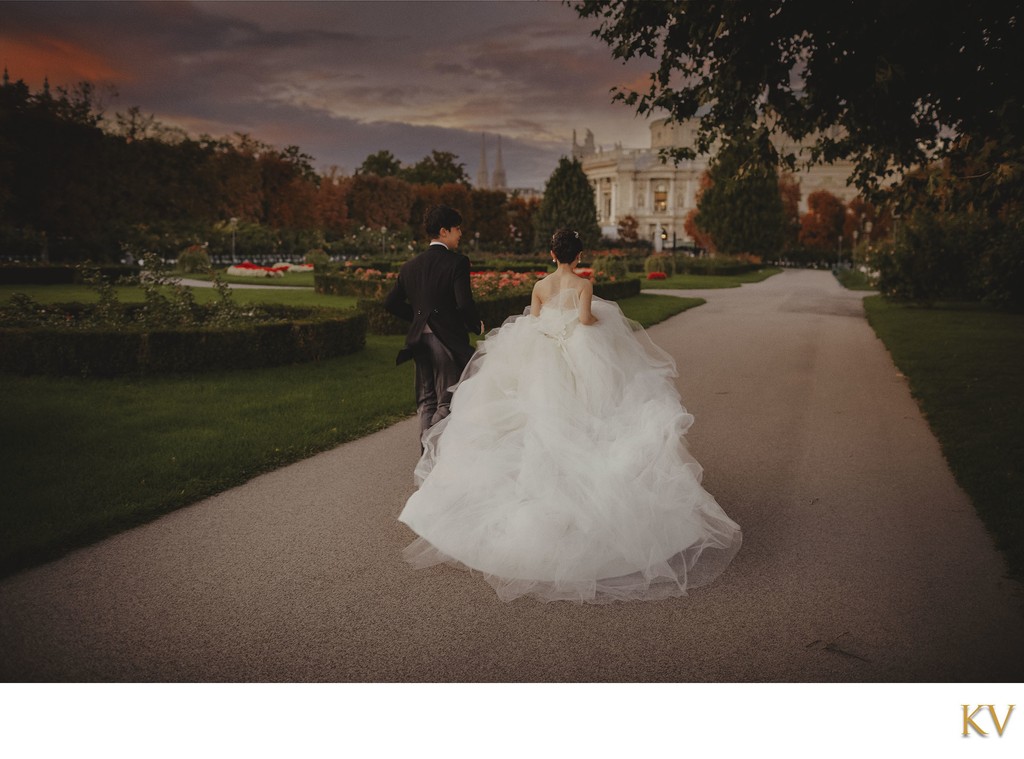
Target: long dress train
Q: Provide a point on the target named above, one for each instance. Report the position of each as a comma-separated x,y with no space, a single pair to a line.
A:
562,470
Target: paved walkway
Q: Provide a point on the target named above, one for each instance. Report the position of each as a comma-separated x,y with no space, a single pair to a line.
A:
862,559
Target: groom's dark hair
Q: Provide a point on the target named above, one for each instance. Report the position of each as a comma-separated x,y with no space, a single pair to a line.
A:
440,217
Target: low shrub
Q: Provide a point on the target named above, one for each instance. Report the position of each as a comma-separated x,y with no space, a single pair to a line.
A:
279,335
194,260
617,290
354,283
662,262
715,265
609,267
494,311
56,274
318,260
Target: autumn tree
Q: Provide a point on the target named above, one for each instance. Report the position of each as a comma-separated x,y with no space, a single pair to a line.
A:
380,201
521,212
332,204
489,216
699,236
822,225
568,202
629,229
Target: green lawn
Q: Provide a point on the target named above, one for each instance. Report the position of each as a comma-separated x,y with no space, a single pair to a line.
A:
852,279
965,366
708,281
88,458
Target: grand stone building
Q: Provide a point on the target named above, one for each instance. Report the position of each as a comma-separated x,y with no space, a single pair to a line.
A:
635,182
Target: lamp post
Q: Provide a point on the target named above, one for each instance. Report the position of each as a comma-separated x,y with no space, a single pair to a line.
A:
839,254
383,238
233,225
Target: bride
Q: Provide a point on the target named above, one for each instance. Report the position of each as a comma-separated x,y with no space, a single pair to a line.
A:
562,471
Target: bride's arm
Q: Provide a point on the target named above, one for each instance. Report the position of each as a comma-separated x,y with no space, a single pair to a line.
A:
535,302
586,297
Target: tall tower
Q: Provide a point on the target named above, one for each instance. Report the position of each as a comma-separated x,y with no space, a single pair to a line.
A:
498,181
481,175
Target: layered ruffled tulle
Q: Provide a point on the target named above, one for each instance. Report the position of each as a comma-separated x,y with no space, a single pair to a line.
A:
562,470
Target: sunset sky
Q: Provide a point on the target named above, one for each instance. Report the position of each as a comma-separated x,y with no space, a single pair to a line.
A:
342,80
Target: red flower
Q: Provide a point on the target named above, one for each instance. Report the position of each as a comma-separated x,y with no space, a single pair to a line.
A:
657,275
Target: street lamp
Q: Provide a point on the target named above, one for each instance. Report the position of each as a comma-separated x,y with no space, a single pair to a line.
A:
383,238
839,253
233,225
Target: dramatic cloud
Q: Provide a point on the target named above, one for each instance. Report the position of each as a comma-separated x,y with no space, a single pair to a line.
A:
343,80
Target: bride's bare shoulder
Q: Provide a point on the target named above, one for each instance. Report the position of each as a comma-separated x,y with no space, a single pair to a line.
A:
543,286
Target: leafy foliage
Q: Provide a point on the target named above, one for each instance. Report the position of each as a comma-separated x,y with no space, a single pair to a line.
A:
847,78
822,225
739,206
568,202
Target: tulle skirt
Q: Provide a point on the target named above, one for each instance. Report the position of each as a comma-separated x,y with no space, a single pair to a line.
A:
562,470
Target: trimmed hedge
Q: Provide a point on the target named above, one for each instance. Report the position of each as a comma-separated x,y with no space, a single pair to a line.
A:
341,284
626,288
43,274
494,311
687,265
297,335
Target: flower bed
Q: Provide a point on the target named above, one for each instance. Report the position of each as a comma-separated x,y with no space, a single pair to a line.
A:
249,269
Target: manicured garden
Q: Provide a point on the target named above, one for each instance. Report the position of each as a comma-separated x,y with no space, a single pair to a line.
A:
89,457
965,365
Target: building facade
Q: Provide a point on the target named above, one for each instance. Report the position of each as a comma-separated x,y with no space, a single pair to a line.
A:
635,182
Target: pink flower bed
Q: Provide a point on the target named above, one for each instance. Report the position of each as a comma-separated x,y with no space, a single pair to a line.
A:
497,283
249,269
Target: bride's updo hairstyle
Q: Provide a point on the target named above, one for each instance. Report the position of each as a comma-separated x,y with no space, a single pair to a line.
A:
566,245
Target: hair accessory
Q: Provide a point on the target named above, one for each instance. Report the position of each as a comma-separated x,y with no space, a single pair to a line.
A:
576,234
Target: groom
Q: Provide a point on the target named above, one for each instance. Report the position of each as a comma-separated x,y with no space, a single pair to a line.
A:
433,293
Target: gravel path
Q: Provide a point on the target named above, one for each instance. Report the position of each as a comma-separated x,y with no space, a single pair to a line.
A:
862,559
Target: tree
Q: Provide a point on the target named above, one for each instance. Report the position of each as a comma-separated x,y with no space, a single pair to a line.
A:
382,163
438,168
789,192
332,204
568,202
380,201
741,208
629,229
822,225
700,238
888,85
521,212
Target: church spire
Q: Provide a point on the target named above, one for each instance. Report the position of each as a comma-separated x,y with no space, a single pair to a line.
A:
498,182
481,175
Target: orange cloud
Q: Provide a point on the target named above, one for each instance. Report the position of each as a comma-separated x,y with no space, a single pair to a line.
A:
35,57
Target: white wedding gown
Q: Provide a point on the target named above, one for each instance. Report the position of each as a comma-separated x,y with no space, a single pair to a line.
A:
562,471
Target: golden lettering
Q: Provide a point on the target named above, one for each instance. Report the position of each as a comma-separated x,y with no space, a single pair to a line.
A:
995,719
969,721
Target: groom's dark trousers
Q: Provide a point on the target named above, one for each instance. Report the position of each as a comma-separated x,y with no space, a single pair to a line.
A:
433,292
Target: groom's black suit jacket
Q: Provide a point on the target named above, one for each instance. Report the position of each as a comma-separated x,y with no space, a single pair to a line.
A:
433,288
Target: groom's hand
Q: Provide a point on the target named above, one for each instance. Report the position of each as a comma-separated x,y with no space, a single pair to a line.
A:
481,328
